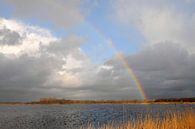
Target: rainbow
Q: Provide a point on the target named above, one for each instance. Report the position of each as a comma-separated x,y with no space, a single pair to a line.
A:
124,61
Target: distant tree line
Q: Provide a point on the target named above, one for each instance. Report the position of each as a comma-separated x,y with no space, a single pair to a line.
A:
64,101
176,100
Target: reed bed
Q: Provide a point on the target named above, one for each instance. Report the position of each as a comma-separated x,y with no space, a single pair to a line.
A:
176,120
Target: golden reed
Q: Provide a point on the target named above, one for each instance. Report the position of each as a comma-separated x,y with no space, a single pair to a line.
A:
176,120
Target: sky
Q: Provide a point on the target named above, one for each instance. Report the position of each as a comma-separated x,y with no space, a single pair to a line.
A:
97,49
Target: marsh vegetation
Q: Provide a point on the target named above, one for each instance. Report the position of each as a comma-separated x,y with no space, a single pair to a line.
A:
176,120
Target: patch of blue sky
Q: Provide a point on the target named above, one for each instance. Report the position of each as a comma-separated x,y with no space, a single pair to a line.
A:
95,46
184,6
5,10
126,39
96,29
55,30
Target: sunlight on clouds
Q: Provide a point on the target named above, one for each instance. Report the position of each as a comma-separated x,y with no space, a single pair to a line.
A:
31,37
72,63
71,80
72,57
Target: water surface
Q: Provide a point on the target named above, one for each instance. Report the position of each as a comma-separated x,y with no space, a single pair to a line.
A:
76,115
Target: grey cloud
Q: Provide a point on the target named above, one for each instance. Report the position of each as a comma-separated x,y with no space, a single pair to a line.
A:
25,73
164,69
62,13
9,37
158,57
64,46
29,76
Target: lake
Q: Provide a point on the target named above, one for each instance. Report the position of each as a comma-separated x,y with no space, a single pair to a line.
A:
79,115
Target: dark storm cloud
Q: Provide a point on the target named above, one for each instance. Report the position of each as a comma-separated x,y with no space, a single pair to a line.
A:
164,69
9,37
22,74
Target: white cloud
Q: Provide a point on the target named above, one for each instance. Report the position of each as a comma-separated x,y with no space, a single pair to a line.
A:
104,67
30,38
40,60
72,63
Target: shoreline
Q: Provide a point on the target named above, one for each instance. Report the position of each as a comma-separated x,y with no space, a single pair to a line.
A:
101,103
52,101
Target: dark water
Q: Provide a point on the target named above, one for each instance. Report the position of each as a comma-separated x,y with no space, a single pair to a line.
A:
76,115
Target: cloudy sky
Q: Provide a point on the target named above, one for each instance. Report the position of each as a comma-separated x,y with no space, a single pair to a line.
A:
96,49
